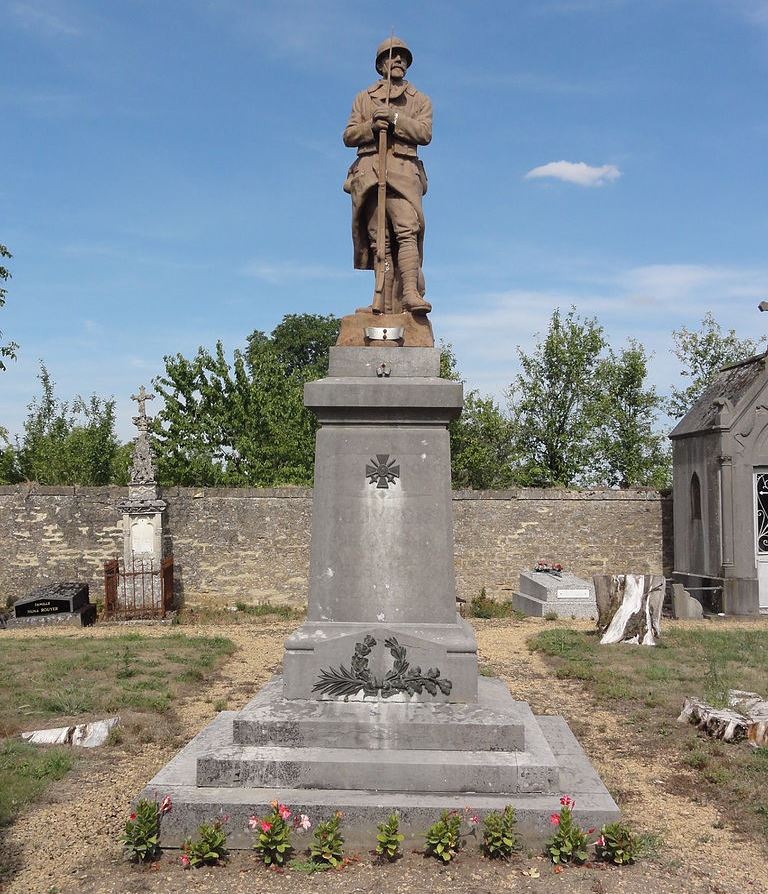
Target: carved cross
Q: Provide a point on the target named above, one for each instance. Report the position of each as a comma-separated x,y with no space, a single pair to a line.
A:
382,471
141,398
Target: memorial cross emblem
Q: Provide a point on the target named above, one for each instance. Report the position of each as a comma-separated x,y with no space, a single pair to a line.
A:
382,471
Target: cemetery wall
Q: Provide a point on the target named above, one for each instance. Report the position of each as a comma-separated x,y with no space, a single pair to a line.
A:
253,544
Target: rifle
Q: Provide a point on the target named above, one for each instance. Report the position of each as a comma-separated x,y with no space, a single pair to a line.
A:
381,207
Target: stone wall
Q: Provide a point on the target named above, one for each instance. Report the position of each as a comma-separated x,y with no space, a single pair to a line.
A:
253,544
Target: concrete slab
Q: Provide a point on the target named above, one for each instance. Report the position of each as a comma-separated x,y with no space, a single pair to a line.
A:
493,723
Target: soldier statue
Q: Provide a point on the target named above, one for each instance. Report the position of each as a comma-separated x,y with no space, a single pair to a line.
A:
387,180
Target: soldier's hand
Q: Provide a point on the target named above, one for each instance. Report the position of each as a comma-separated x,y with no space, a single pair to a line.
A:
379,124
383,118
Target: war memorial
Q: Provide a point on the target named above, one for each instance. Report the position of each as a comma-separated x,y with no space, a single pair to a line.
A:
379,705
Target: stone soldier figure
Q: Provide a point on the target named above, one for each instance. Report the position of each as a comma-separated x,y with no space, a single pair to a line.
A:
393,105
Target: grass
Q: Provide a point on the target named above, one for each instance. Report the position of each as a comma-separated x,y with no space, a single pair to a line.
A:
57,681
25,772
648,686
245,612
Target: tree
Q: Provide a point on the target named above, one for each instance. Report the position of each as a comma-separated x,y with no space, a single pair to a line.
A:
629,452
482,449
553,402
9,465
6,350
243,423
63,445
702,354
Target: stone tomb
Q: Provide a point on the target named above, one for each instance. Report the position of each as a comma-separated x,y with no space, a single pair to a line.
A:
564,594
61,603
380,706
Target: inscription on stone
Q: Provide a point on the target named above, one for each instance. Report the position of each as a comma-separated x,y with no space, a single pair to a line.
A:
53,599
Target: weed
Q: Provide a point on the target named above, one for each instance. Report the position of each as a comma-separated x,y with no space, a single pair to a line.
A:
551,616
26,771
482,606
697,759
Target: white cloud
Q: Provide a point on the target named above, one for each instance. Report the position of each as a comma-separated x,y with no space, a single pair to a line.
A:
578,172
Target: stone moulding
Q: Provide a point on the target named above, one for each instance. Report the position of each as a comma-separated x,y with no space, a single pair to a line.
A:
343,682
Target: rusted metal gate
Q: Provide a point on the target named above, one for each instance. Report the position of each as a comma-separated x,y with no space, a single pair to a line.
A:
144,591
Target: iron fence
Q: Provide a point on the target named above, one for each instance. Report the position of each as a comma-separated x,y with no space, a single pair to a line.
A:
144,591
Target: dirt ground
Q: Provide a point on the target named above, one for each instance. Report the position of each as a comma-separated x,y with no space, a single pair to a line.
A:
69,841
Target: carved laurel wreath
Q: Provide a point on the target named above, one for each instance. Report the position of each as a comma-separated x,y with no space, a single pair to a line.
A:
400,678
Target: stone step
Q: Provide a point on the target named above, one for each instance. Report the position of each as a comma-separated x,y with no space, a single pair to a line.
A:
362,810
494,723
379,770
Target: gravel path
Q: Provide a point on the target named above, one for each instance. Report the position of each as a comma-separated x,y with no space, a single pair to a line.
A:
69,842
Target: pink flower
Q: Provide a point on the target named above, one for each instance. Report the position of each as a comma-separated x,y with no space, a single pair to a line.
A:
253,822
566,801
555,819
184,861
224,819
474,820
590,831
284,812
132,817
165,804
600,841
304,822
265,826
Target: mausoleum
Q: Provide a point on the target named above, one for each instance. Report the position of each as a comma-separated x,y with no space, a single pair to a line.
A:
720,491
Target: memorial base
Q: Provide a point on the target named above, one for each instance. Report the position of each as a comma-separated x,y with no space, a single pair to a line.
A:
368,758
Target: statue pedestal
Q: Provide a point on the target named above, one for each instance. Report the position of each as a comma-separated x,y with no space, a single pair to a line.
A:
380,706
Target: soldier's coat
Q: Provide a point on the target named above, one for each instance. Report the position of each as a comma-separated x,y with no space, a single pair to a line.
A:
405,172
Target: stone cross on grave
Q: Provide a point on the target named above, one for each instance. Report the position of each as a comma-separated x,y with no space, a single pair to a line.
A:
141,398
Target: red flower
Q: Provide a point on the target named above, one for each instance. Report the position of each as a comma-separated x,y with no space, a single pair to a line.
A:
284,812
165,804
265,826
555,819
132,817
184,861
566,801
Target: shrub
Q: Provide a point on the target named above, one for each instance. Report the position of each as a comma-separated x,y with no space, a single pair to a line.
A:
444,837
273,843
209,848
500,837
327,845
141,833
482,606
569,842
618,844
389,838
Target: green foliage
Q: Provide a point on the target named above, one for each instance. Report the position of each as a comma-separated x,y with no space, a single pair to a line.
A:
210,846
618,844
553,401
569,842
243,423
9,463
63,445
702,354
141,833
628,451
482,606
482,448
444,837
8,350
273,841
500,838
390,838
327,846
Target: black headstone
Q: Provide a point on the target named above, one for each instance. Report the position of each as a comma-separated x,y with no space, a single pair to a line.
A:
68,596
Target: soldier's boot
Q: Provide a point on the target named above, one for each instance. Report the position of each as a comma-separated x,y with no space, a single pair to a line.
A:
408,265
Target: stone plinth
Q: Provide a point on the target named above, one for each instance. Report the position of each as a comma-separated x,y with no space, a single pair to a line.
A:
62,603
380,706
566,595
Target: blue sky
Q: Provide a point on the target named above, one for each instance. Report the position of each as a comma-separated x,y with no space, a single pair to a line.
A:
170,174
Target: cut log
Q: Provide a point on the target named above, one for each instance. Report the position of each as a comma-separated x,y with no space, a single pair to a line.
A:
629,607
745,717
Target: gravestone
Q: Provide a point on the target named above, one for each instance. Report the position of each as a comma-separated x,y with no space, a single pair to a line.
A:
379,706
142,512
564,594
61,603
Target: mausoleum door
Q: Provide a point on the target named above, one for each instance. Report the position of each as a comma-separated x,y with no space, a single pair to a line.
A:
761,534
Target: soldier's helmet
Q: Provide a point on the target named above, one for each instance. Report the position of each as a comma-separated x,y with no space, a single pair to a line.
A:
383,51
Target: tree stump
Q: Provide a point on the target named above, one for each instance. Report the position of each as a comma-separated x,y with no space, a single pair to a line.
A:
629,607
745,717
